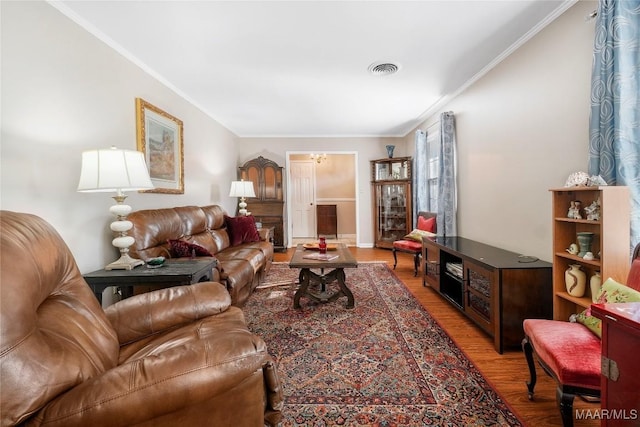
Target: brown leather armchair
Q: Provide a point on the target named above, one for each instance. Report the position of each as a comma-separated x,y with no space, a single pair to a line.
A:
177,356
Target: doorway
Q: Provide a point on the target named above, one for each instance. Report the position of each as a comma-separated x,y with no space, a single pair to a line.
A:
331,180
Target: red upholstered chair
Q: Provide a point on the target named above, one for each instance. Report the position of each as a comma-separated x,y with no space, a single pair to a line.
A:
569,352
426,222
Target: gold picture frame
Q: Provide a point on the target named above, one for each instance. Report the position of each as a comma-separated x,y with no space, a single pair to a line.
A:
159,137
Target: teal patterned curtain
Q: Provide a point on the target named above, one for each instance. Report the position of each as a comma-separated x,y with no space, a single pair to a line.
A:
614,125
447,183
420,165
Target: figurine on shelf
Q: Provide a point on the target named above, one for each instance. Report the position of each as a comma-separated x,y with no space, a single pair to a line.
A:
577,214
593,211
574,210
573,249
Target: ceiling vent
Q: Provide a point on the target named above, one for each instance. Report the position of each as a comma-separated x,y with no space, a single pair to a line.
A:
383,68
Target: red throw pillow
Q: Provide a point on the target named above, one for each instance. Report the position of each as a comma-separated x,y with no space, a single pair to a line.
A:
242,229
427,224
181,249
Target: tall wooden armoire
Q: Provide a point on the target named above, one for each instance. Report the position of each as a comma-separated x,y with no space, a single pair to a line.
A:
268,205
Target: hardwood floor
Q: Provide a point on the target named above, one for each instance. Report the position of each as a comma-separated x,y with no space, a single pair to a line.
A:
507,372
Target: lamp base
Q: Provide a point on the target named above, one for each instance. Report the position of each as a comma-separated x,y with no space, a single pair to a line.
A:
125,262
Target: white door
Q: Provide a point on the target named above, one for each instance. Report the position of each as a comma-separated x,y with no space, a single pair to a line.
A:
303,184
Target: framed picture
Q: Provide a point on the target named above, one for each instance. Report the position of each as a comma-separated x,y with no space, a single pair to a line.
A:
159,137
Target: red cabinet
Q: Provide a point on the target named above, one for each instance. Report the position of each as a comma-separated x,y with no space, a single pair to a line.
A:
620,381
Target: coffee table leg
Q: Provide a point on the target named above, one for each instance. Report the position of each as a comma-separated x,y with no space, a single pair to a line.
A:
304,278
343,287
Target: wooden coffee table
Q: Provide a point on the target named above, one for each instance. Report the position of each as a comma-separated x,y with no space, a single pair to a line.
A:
336,274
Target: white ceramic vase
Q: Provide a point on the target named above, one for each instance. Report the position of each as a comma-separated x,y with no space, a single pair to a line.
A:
576,280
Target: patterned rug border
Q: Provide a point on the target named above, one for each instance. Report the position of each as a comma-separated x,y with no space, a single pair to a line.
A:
511,408
470,361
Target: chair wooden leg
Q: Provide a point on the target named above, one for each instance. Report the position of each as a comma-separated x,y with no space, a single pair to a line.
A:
565,403
395,258
416,264
528,354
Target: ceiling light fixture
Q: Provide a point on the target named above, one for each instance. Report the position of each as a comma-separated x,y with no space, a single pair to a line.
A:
383,68
319,158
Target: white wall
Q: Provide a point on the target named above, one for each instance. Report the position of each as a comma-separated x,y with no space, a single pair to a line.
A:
63,92
521,130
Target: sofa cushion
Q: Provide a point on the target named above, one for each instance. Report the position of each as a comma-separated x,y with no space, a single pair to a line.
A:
181,249
610,292
570,350
242,229
238,275
253,256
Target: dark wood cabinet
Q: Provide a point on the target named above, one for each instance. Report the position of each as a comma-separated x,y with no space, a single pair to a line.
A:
391,181
327,216
620,381
497,289
268,205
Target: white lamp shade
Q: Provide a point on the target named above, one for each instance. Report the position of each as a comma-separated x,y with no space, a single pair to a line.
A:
242,189
113,170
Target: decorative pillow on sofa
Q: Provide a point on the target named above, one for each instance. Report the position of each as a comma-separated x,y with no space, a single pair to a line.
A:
181,249
242,229
427,224
417,234
611,292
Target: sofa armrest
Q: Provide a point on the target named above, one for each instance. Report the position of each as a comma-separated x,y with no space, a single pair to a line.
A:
170,381
265,234
153,312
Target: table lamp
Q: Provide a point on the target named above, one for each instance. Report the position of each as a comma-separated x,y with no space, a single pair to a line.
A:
242,189
116,170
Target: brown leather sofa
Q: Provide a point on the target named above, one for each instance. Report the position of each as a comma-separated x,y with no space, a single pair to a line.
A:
176,356
241,267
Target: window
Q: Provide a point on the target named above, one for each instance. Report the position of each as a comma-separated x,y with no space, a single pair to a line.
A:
433,166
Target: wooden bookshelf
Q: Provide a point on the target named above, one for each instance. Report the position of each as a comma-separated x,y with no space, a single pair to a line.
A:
611,242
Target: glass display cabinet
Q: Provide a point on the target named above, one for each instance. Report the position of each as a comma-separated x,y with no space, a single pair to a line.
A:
391,183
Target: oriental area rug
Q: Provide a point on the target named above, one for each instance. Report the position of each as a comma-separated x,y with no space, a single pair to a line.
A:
385,362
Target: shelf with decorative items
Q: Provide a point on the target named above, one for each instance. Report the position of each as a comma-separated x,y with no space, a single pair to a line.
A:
590,243
391,169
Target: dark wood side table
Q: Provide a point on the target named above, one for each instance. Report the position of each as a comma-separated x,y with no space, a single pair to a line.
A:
173,273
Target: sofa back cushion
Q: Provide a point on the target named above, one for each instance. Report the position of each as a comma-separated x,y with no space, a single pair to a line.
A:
53,332
215,216
195,229
216,225
152,229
